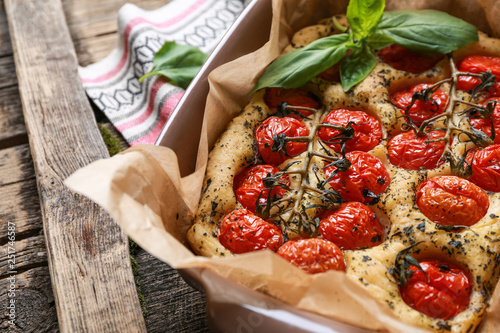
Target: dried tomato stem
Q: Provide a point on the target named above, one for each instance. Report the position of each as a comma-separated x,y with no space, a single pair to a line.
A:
438,84
470,104
337,127
308,187
449,110
326,157
299,139
298,108
458,73
447,115
296,222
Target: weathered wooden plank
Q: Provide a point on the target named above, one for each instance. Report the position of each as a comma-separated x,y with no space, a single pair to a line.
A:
5,46
93,286
92,50
172,305
29,252
20,203
20,208
92,18
15,164
34,310
7,72
12,128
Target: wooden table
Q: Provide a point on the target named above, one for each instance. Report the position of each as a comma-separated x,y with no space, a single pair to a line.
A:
72,269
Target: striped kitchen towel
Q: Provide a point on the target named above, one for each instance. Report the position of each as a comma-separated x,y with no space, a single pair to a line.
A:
139,110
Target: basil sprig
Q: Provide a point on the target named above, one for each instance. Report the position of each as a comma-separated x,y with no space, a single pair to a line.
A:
315,58
427,32
180,63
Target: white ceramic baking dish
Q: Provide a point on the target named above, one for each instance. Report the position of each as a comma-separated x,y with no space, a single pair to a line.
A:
226,310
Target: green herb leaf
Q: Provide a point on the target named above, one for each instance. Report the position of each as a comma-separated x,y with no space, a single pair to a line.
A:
428,32
363,17
296,68
180,63
378,41
356,66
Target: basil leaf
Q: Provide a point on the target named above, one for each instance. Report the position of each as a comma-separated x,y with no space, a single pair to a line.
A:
378,41
356,66
181,77
296,68
428,32
363,17
180,63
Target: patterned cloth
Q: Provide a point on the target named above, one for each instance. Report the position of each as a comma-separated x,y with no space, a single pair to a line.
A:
140,110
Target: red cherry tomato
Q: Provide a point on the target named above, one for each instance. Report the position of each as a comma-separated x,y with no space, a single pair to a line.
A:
409,151
352,226
332,74
420,110
403,59
367,176
451,200
443,293
367,131
248,186
484,125
273,127
241,231
486,167
294,97
479,64
313,255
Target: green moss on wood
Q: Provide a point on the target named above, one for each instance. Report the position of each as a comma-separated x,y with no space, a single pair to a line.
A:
111,141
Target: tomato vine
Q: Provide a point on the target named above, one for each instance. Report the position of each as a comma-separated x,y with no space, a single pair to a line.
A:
297,221
458,164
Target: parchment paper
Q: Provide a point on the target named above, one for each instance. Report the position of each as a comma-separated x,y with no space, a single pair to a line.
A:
142,188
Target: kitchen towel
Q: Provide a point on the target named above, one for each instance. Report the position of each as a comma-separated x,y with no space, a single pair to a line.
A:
139,110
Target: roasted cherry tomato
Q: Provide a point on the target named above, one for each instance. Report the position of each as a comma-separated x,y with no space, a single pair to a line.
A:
367,130
294,97
486,167
352,226
366,178
484,125
409,151
270,137
443,293
403,59
241,231
420,110
451,200
479,64
313,255
332,74
248,186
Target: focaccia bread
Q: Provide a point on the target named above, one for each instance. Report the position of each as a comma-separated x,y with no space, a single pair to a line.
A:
474,248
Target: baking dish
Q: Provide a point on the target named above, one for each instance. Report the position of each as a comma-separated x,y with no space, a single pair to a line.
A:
226,312
233,308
